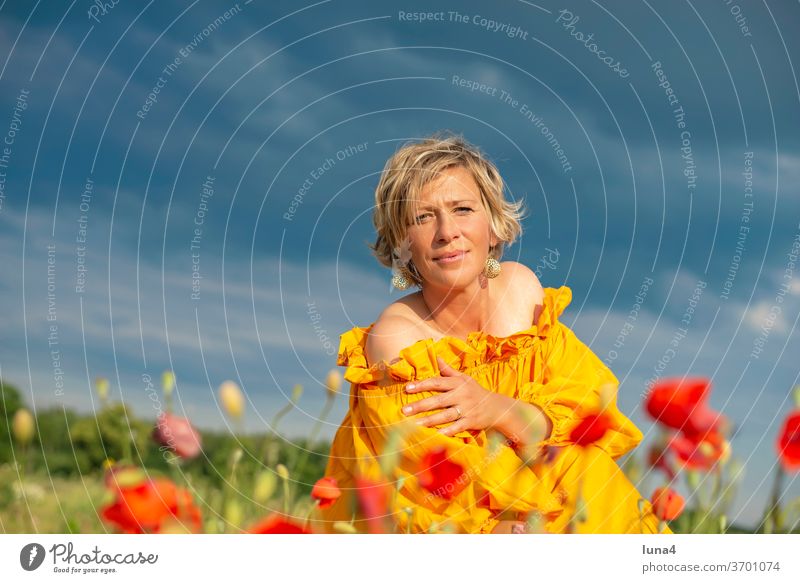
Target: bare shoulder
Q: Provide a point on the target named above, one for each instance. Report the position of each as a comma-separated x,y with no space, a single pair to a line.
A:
396,328
521,282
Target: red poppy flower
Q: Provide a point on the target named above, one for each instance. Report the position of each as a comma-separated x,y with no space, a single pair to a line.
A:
700,452
591,429
439,475
177,434
680,403
667,504
789,443
150,506
277,524
373,499
326,492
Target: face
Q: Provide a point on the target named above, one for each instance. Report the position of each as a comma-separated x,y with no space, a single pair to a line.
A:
451,233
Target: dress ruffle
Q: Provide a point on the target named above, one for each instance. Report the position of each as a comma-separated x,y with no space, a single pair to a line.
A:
418,361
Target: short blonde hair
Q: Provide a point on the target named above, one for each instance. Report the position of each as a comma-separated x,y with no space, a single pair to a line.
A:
417,163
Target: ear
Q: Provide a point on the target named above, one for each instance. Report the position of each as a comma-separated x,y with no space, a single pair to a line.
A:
494,240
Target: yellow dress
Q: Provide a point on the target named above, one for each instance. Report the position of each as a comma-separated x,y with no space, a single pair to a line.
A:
545,365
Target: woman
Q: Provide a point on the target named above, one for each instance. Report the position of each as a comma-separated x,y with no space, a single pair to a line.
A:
478,352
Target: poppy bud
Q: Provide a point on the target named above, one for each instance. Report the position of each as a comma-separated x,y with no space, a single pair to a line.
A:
265,486
23,426
283,472
326,492
667,504
333,382
167,383
232,399
101,386
297,392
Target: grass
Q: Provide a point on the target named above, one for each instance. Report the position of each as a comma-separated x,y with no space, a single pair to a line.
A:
50,505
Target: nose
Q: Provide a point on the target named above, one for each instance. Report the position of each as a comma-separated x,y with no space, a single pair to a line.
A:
446,228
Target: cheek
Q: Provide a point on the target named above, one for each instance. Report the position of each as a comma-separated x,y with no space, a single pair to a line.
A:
418,246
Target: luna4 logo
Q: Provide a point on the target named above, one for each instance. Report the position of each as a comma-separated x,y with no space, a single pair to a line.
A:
31,556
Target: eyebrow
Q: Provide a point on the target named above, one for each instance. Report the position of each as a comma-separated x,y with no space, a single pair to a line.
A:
451,203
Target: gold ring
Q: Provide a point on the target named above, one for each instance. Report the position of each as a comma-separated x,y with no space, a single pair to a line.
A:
458,411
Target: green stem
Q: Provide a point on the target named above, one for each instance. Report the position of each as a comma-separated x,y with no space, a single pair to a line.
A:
275,421
772,518
286,496
230,488
326,409
716,490
308,515
126,448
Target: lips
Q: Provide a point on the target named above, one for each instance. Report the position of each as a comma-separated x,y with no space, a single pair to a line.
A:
453,256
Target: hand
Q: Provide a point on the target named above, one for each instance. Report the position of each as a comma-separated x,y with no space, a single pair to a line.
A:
509,527
462,400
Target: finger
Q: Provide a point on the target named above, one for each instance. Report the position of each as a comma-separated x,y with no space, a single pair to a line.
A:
445,368
458,426
446,416
427,404
431,384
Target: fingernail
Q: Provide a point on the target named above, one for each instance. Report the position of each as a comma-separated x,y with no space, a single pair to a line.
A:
411,386
407,409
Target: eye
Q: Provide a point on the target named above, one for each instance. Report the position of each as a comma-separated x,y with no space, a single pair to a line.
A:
464,208
422,217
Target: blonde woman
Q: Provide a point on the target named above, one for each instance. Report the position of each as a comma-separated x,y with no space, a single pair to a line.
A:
476,367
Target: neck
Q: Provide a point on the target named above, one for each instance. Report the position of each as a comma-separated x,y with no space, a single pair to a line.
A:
457,312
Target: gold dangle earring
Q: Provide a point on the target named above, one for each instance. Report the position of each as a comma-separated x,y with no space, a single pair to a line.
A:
492,268
400,281
401,256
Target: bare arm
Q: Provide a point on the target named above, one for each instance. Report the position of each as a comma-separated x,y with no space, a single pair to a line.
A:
388,336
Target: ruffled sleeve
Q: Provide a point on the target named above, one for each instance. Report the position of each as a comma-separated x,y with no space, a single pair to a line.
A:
418,361
567,387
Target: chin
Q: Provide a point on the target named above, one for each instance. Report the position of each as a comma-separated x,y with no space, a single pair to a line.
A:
455,279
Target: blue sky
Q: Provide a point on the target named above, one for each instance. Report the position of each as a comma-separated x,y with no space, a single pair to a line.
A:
258,96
